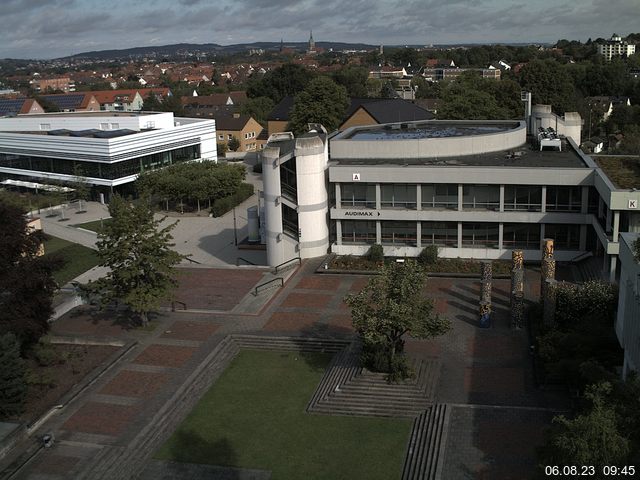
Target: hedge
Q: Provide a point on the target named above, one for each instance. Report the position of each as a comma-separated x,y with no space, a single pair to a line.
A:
223,205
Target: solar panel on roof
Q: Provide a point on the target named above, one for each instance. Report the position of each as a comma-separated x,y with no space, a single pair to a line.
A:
61,132
85,133
114,133
11,106
65,102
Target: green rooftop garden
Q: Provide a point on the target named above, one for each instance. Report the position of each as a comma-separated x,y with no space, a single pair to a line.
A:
624,172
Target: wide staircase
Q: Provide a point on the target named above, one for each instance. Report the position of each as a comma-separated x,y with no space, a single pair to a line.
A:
348,389
588,269
426,445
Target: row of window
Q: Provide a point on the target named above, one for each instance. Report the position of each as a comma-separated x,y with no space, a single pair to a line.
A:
474,197
109,171
474,235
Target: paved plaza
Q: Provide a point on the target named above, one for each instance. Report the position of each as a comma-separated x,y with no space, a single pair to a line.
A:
497,414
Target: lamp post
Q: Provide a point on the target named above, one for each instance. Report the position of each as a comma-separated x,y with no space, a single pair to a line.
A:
235,228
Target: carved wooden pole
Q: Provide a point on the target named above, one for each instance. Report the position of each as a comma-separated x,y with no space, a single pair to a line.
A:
517,288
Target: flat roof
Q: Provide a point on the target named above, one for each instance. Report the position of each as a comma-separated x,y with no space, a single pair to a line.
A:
101,113
411,131
623,171
526,156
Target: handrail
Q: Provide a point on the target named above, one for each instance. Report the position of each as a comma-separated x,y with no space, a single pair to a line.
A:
582,256
192,260
280,279
283,264
244,260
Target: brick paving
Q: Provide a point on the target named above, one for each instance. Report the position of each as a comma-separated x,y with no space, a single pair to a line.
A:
101,418
486,367
214,288
165,355
131,383
189,330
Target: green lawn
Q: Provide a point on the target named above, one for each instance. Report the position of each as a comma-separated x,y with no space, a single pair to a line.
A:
78,259
94,226
254,417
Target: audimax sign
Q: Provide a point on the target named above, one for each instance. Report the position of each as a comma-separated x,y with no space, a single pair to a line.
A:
361,213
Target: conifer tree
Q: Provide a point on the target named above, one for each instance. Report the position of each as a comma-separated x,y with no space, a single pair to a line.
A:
13,389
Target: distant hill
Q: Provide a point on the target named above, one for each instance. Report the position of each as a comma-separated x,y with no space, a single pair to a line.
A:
207,48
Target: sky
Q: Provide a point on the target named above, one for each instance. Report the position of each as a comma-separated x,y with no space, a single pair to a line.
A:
55,28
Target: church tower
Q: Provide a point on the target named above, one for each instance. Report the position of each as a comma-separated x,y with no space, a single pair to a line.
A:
312,43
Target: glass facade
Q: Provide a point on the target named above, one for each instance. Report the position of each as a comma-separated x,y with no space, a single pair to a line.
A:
289,221
480,235
399,233
109,171
399,195
439,196
564,199
288,179
565,237
481,197
358,232
443,234
521,235
358,195
525,198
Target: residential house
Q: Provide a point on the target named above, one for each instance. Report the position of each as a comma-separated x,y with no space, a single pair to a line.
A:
607,104
10,107
615,47
119,100
50,84
212,105
243,127
74,102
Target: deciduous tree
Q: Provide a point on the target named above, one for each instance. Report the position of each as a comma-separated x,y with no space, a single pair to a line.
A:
390,306
323,101
137,250
26,282
13,388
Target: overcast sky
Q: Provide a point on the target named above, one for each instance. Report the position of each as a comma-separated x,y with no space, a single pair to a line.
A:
54,28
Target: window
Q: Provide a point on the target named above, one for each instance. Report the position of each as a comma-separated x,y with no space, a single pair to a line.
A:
480,235
399,195
398,233
220,137
523,198
229,136
358,195
104,126
481,197
289,180
358,232
521,235
115,126
564,199
565,237
45,126
440,196
444,234
290,221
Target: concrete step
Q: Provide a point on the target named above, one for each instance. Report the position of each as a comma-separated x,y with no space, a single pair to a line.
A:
423,459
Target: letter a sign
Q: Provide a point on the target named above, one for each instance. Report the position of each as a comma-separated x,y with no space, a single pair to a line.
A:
355,177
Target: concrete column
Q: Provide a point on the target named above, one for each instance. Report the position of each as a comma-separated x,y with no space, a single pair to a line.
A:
500,235
378,232
460,196
378,198
583,238
608,222
584,207
459,234
501,204
338,196
612,270
419,197
616,225
339,232
419,234
543,208
542,234
600,206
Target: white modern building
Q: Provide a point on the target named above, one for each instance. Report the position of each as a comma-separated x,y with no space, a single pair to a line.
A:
615,47
476,189
110,148
628,319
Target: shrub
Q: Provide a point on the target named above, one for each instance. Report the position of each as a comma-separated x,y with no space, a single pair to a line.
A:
223,205
46,356
428,255
376,253
575,302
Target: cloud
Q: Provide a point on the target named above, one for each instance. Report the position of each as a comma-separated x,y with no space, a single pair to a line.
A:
48,28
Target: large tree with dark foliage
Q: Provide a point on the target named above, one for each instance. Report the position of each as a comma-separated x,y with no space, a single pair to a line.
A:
323,101
13,388
26,281
288,79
